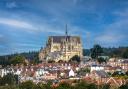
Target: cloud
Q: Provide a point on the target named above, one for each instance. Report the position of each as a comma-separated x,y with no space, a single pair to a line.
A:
114,34
35,27
27,26
11,5
109,38
16,23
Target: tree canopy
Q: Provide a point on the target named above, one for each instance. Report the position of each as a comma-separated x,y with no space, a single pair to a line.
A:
18,59
125,53
75,58
96,51
8,79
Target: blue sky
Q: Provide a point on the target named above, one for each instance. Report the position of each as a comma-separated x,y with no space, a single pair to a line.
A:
26,24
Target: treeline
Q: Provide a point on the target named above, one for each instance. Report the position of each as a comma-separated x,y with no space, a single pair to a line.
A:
121,52
19,58
32,57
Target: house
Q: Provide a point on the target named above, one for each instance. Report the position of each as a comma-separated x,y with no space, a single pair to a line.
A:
50,76
99,75
97,67
113,81
5,71
71,73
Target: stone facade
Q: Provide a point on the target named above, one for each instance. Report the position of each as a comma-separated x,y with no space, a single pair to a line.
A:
61,48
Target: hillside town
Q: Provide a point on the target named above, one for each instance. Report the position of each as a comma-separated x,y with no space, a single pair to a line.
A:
63,44
113,72
62,60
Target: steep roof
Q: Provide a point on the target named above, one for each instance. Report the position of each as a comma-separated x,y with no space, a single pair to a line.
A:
102,74
58,39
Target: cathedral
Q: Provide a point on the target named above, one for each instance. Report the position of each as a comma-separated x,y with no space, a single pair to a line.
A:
61,48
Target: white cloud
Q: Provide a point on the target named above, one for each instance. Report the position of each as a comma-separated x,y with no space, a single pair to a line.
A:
32,27
11,5
16,23
123,13
115,33
109,38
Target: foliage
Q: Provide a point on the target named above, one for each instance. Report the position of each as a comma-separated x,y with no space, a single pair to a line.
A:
83,71
109,73
101,60
104,86
127,73
32,57
75,58
86,52
119,52
124,86
43,86
118,73
87,70
8,79
85,85
27,85
9,87
51,61
96,51
64,85
125,53
111,52
18,59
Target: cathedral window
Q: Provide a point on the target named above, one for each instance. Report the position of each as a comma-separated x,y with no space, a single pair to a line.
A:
69,48
72,47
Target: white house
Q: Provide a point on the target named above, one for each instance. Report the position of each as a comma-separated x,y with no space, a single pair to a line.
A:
40,72
96,67
71,73
5,71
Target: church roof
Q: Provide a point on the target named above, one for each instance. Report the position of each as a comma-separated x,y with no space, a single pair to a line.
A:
58,39
102,73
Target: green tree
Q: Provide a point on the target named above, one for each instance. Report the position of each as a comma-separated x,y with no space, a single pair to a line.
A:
8,79
18,59
118,73
51,61
75,58
64,85
101,60
9,87
96,51
125,53
125,86
83,71
127,73
104,86
43,86
85,85
27,85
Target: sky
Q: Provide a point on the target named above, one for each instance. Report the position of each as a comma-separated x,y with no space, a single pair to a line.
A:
26,24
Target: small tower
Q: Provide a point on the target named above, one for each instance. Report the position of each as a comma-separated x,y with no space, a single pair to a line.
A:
66,31
66,42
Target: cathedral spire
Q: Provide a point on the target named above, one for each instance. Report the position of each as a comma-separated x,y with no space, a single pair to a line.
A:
66,31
